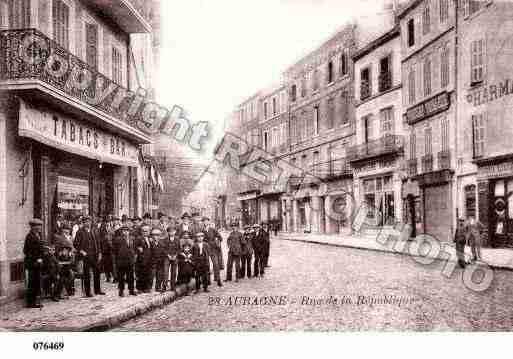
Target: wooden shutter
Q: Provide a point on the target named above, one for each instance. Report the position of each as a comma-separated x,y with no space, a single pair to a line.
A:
60,16
92,45
19,14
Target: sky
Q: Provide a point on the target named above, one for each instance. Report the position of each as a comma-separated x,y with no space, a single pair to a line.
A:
217,53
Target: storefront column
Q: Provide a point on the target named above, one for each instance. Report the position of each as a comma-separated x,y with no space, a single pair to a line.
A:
316,212
295,216
4,269
328,215
308,215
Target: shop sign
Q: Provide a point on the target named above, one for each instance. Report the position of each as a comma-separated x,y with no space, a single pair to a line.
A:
430,107
75,136
495,171
490,93
247,197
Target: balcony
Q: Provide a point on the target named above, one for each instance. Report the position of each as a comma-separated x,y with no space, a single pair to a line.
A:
332,169
444,160
412,167
365,90
385,81
427,163
52,85
386,145
131,16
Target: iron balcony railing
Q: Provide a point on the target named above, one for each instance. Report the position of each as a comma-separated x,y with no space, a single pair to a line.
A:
17,66
444,160
412,167
331,169
388,144
427,163
385,81
365,90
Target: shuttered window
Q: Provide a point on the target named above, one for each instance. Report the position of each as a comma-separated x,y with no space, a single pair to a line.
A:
92,45
19,14
445,134
411,86
116,66
444,67
478,124
60,16
476,61
427,77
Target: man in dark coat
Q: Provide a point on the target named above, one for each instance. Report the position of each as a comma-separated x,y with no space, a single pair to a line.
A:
173,249
124,253
185,226
89,250
107,235
214,240
246,252
460,239
145,260
200,257
161,260
234,252
258,243
267,243
34,252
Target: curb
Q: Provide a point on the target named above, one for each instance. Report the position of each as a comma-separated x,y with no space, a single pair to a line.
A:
115,319
383,250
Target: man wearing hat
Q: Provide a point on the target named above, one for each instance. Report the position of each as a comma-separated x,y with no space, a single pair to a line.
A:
107,235
185,226
214,240
173,249
88,247
200,258
144,264
160,250
234,252
147,220
124,254
460,239
34,253
258,243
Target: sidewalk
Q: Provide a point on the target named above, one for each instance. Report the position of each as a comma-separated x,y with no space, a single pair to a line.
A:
82,314
377,241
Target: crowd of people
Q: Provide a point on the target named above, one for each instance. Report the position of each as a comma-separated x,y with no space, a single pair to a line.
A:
141,254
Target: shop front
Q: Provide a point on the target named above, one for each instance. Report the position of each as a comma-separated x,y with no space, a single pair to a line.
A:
495,201
249,207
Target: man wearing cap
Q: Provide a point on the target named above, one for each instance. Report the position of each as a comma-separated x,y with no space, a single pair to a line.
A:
214,240
234,252
144,265
124,253
34,252
88,247
200,257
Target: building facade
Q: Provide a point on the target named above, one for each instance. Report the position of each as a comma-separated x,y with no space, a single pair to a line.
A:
62,150
428,57
484,148
377,158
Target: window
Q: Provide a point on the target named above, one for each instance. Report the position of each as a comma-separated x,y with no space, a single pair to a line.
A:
471,6
19,14
367,128
344,109
275,108
293,93
427,77
92,45
116,66
303,86
315,80
413,145
411,86
365,83
476,61
478,125
428,141
444,10
387,121
444,67
426,19
265,110
411,32
444,129
293,129
266,139
343,64
385,75
60,15
316,119
330,72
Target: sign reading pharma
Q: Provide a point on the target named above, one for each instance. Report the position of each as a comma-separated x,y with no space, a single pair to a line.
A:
75,136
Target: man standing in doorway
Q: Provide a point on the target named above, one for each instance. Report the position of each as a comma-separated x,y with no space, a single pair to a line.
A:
34,251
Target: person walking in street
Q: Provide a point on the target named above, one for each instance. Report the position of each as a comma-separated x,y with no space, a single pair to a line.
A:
173,249
33,250
88,247
258,243
144,264
246,252
214,239
475,230
234,252
460,239
124,253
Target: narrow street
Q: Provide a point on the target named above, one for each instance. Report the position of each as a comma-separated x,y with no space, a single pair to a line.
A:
303,275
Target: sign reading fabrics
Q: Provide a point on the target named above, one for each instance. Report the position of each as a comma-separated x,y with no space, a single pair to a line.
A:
75,136
430,107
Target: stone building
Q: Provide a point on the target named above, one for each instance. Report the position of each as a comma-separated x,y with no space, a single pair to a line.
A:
377,157
63,151
428,76
484,129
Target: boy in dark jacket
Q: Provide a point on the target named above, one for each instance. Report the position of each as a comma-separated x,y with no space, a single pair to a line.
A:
185,266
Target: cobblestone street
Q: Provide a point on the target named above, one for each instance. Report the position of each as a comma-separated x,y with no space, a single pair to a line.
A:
303,273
